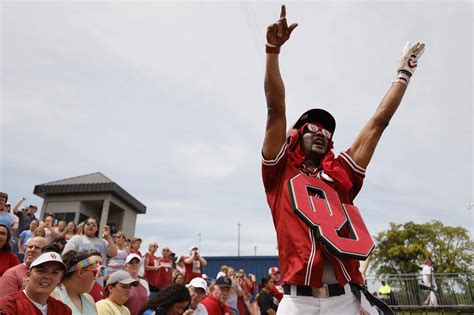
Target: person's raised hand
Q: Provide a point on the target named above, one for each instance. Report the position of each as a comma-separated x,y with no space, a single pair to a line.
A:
409,58
278,33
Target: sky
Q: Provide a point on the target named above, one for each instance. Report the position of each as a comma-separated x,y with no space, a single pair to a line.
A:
166,99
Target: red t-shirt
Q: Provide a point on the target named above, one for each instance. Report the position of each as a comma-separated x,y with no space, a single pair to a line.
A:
97,292
13,280
165,273
136,300
300,251
18,303
214,307
135,251
153,277
7,260
193,270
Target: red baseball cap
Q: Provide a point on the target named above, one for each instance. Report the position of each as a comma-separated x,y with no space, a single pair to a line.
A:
273,270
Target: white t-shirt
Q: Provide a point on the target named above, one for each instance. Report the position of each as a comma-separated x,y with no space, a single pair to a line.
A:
86,244
200,310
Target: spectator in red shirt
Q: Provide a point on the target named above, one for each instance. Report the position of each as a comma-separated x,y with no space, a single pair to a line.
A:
219,293
165,268
44,275
193,264
138,294
151,267
7,258
135,245
277,289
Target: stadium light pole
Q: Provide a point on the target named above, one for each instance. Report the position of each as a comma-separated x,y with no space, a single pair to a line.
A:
199,241
238,239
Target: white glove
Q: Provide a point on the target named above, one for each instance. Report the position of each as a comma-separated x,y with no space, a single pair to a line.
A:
409,58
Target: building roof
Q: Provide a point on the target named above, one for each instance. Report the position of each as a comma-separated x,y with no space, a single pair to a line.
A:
86,184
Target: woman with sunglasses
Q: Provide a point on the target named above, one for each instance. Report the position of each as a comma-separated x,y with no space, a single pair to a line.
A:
78,279
165,268
90,241
118,262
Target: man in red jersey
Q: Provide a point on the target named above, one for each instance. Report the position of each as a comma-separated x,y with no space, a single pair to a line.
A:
277,289
215,302
194,264
321,235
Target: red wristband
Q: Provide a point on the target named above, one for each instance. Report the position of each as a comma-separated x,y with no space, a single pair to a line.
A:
270,49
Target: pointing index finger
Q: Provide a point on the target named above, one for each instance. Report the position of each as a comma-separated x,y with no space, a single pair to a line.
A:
283,11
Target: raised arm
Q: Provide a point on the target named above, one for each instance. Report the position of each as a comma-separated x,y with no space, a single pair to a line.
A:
365,143
275,133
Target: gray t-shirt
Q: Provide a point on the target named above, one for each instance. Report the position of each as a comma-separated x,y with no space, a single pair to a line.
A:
83,243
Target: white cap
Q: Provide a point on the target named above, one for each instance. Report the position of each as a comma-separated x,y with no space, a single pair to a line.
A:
198,283
47,257
194,247
131,256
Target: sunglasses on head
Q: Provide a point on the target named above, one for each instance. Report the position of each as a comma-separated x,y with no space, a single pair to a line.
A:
313,128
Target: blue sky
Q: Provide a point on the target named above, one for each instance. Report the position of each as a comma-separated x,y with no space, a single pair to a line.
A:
166,99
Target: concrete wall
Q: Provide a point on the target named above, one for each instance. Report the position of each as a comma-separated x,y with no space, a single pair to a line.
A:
90,210
63,206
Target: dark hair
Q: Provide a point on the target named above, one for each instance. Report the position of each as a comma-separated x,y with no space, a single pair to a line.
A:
70,258
7,247
96,222
166,298
176,276
265,281
51,247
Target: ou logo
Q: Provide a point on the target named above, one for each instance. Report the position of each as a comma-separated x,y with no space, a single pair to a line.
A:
319,206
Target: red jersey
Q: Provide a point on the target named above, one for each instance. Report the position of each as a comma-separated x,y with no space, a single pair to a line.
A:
19,303
215,307
152,276
193,270
165,273
97,292
301,253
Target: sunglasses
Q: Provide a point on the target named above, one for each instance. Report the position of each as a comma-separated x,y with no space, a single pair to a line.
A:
94,271
165,250
93,224
313,128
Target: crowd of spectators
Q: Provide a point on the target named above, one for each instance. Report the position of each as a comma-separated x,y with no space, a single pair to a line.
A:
50,266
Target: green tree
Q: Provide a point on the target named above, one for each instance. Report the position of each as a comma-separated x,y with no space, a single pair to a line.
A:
403,247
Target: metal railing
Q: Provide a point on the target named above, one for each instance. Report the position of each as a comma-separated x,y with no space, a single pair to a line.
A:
453,290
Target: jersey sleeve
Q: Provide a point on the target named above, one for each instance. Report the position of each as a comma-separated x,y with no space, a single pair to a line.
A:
272,169
355,172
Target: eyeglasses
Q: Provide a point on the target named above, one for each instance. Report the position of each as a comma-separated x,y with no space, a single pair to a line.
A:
91,224
94,271
313,128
